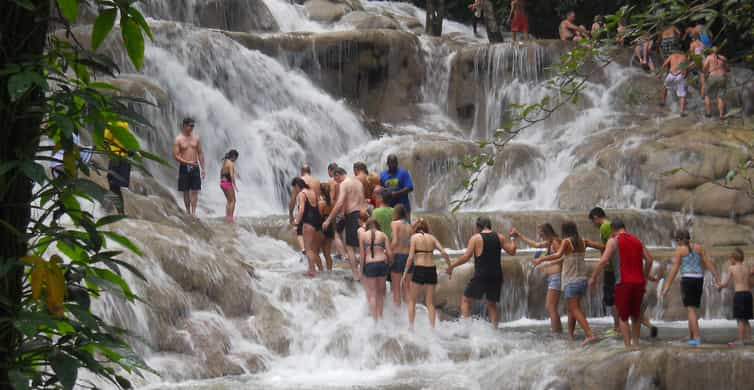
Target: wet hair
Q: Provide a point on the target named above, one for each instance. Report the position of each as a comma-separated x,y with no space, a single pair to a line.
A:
299,182
483,222
360,166
738,255
306,169
548,231
339,171
324,188
373,180
597,212
332,166
399,212
188,121
684,237
231,155
617,224
571,231
420,226
372,225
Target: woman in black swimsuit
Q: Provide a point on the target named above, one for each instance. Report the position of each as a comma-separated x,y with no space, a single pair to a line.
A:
424,279
375,253
309,216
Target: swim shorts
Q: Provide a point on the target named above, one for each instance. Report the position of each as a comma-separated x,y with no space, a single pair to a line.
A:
691,291
352,229
375,269
520,23
189,178
399,263
329,232
553,282
575,289
477,289
424,275
628,298
608,288
715,87
742,305
677,83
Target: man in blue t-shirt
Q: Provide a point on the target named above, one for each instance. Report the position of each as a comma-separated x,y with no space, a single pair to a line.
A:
398,184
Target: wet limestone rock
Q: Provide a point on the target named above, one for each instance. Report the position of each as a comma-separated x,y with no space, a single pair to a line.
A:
362,20
330,11
231,15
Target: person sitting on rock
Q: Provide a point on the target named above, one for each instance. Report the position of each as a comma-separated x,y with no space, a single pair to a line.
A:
691,260
569,31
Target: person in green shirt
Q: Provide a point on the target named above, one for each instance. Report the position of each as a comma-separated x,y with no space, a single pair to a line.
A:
382,213
598,217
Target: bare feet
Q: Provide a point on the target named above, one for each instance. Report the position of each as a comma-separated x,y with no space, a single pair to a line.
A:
590,340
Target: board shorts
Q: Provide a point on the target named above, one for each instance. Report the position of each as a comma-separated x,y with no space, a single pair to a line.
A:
628,298
352,229
520,23
608,289
340,224
375,269
490,289
742,306
553,282
119,172
715,87
691,291
677,83
189,178
399,263
575,289
424,275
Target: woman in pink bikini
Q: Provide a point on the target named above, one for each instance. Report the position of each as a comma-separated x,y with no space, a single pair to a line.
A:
228,183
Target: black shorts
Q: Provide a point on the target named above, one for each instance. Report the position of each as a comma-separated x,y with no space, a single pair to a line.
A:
119,172
399,263
352,229
691,291
329,232
189,178
375,269
340,224
608,289
742,306
424,275
476,289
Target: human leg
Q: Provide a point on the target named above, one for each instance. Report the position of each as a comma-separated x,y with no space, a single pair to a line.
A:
493,313
635,330
412,296
395,287
370,285
429,300
551,304
380,290
309,249
327,252
466,307
721,107
693,322
187,201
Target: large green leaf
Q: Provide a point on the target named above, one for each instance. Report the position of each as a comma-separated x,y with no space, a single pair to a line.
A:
125,242
20,83
139,18
69,9
102,26
65,367
133,40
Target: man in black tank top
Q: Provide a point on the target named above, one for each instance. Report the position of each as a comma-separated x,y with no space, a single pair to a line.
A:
487,281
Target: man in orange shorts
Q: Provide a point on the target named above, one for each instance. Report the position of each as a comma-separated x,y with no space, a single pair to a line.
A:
519,20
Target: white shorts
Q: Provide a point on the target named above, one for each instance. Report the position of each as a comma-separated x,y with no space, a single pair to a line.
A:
676,82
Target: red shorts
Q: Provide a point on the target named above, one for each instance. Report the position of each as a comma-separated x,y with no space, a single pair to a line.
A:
628,297
520,23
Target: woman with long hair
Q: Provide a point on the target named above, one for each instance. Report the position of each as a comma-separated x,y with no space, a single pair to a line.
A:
228,183
375,252
325,207
311,220
574,277
549,240
424,279
400,246
691,260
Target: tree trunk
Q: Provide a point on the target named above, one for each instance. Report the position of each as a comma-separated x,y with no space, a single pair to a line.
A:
494,32
23,36
435,16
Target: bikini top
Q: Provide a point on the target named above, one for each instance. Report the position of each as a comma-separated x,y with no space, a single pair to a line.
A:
424,251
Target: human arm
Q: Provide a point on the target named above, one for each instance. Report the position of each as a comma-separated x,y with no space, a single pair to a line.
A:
673,272
232,174
301,203
607,254
409,260
442,251
405,184
335,210
725,284
388,251
509,246
177,153
595,245
292,203
200,153
707,262
649,260
555,256
363,250
514,3
528,241
575,27
470,249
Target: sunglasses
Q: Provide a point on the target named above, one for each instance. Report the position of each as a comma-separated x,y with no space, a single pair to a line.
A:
191,125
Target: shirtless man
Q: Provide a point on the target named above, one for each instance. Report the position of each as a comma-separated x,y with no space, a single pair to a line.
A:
306,174
339,222
351,203
569,31
361,172
669,40
678,64
187,150
716,68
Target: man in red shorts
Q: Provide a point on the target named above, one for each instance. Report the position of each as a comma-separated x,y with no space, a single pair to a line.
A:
518,19
626,252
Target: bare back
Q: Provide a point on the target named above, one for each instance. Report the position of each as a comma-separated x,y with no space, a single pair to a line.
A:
553,268
379,245
716,65
424,245
313,184
671,32
741,274
678,63
565,30
352,192
401,236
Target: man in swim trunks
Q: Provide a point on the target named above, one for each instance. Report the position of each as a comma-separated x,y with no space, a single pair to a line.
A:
678,65
351,203
627,254
669,40
518,19
187,150
485,246
339,221
306,175
568,30
361,172
716,67
398,184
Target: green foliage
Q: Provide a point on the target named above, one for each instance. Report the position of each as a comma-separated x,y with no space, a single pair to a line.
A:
58,333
